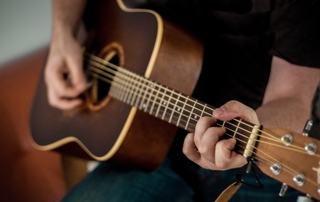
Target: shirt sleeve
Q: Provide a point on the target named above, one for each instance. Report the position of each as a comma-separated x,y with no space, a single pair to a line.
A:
295,25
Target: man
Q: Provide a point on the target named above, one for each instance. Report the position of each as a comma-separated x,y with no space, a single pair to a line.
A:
261,53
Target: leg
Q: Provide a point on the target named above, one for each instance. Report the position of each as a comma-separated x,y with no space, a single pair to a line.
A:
113,184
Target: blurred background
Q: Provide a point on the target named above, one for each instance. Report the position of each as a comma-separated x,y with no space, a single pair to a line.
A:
24,26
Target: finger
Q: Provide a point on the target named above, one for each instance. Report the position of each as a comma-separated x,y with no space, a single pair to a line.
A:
55,80
202,125
190,149
74,62
234,109
226,157
54,76
62,103
207,146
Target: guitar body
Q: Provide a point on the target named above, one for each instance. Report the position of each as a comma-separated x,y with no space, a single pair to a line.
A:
144,43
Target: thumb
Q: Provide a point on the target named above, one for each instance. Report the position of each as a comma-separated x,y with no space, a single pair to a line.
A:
74,63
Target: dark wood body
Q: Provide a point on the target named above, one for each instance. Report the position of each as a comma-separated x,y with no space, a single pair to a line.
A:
177,65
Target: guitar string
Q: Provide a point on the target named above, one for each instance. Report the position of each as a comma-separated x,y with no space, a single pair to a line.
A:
274,139
112,71
104,62
257,156
281,146
287,167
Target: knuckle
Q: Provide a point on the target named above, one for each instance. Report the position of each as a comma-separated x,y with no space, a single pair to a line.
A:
203,150
232,104
203,121
222,165
185,151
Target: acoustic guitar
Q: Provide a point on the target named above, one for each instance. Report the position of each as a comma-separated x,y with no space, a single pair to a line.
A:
131,115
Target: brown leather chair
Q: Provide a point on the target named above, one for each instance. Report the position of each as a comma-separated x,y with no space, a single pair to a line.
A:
26,174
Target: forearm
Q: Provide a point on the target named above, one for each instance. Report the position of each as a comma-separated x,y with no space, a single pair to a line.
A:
66,16
287,113
288,97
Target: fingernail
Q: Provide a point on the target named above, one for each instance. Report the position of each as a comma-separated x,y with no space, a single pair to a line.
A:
234,141
218,111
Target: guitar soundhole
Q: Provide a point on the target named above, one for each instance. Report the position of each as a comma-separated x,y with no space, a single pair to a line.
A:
97,95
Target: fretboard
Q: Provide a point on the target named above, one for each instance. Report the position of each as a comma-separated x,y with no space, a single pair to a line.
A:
170,105
165,103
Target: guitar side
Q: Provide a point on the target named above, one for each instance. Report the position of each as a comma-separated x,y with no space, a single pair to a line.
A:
152,47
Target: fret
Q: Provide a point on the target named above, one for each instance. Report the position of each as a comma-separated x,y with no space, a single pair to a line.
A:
203,110
195,115
178,109
230,126
138,92
150,86
127,86
235,131
186,115
191,114
170,107
223,124
160,101
164,103
208,111
157,100
134,91
131,89
145,99
174,108
155,97
198,110
167,104
151,96
143,94
238,129
181,113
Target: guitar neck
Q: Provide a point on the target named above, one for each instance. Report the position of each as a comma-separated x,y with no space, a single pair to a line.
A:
158,100
167,104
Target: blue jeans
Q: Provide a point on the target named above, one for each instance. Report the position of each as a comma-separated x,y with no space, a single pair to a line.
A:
176,180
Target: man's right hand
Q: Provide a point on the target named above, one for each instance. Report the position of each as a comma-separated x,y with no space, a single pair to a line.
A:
64,74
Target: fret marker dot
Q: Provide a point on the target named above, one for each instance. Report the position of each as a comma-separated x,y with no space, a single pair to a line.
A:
178,109
144,106
195,116
164,103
